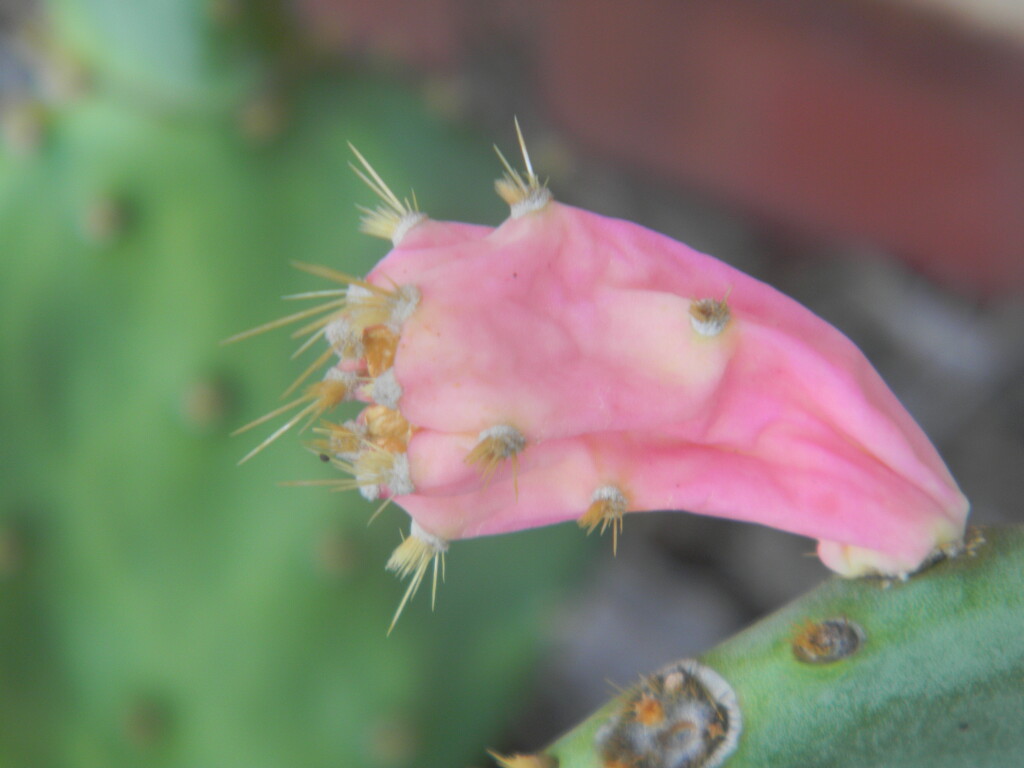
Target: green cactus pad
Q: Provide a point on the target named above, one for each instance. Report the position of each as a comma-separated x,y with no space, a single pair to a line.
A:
160,606
927,673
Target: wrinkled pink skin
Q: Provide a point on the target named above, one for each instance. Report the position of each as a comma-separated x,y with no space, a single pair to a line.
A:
575,329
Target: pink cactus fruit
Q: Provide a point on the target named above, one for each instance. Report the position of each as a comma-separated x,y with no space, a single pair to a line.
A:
568,366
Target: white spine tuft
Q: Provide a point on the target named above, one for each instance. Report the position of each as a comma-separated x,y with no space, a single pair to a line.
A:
709,317
436,542
611,494
404,224
399,480
509,439
408,298
348,378
344,339
357,293
725,699
696,723
534,201
386,390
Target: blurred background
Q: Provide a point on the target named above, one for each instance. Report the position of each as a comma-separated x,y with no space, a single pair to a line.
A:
161,163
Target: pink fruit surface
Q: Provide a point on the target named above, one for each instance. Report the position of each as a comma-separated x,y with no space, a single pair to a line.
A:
569,366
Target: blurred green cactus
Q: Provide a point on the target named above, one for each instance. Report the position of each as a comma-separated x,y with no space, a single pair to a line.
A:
927,673
158,605
170,54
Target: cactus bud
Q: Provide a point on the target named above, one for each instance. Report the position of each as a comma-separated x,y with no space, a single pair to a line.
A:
530,374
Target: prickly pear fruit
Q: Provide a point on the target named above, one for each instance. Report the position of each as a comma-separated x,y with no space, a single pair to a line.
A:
568,366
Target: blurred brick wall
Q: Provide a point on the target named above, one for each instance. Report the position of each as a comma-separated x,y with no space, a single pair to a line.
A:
883,122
